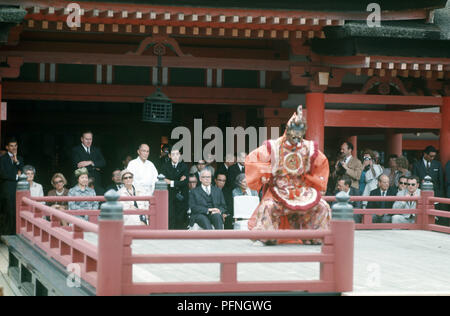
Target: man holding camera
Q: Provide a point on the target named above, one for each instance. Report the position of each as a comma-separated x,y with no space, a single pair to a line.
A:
348,165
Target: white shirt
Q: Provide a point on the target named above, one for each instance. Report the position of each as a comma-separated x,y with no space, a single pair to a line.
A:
206,189
426,163
36,190
144,173
347,159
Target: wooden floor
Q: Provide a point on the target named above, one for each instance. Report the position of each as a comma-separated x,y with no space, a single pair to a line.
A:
397,262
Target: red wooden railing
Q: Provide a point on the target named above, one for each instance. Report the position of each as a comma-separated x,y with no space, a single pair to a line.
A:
65,243
425,212
108,266
336,262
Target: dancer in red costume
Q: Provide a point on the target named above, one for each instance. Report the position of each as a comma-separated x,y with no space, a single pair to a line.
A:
294,173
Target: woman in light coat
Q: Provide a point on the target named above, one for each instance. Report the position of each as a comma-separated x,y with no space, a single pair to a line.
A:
129,189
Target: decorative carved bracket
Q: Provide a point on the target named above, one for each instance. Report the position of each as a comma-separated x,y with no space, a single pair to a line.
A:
384,85
159,43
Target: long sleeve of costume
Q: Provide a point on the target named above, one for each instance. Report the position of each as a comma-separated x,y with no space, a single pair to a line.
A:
258,165
318,177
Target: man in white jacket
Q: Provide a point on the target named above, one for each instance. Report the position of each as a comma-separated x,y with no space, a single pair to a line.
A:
144,171
412,189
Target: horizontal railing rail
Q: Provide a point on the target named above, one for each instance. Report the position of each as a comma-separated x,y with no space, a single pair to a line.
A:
337,237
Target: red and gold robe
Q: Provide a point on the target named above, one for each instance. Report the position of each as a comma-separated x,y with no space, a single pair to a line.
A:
292,197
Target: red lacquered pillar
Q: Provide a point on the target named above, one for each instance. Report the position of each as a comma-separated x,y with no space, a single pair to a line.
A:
444,139
315,116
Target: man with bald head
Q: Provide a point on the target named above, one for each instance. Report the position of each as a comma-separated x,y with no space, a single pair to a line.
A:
383,189
144,171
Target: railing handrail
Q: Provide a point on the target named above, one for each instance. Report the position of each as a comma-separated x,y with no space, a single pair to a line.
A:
358,198
439,200
98,198
84,225
227,234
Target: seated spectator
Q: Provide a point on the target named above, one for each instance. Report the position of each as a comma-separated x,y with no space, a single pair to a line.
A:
237,168
207,204
383,189
35,188
220,182
82,189
58,182
372,172
211,164
412,189
344,184
402,184
192,182
197,168
129,189
116,183
224,168
402,169
242,187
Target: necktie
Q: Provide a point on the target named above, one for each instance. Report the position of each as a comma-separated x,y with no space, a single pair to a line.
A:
88,151
207,190
428,165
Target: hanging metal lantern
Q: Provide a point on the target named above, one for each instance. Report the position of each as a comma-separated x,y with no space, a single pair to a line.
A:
157,108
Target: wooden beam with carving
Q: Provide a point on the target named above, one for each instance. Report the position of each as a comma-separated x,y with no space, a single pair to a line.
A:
143,60
136,94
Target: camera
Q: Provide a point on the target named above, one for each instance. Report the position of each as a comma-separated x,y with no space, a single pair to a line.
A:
367,158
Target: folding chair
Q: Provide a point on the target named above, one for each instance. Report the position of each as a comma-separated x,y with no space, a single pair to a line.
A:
244,206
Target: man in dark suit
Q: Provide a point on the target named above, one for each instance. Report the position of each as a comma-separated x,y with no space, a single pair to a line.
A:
220,183
88,156
224,168
10,166
344,184
176,173
207,204
383,189
427,166
237,169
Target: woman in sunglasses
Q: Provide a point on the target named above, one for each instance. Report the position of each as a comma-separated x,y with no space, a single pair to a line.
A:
129,189
59,182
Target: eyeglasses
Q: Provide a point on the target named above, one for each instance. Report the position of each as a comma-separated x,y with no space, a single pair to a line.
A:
126,178
58,182
411,184
404,183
